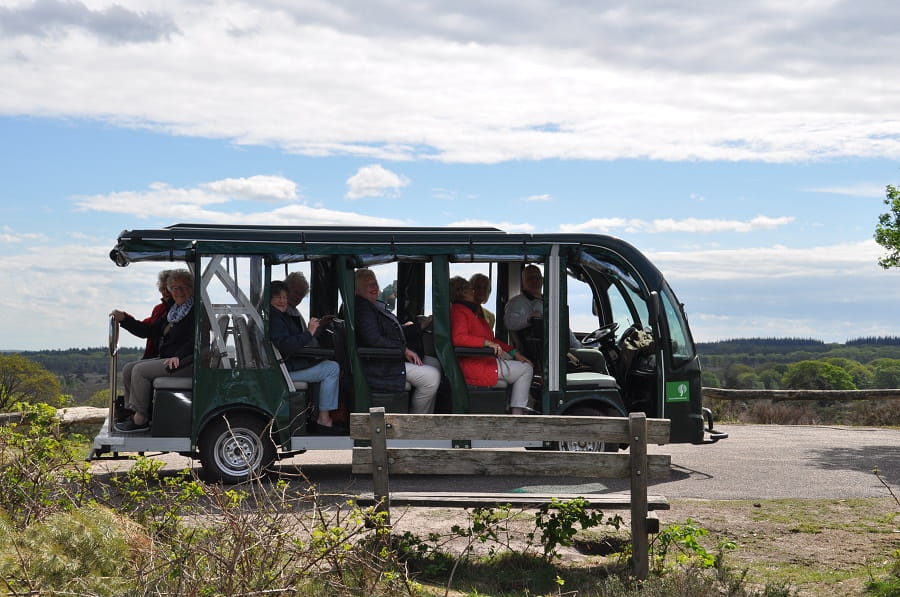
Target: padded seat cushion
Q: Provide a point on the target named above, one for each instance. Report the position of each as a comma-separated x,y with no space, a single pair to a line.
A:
589,379
173,383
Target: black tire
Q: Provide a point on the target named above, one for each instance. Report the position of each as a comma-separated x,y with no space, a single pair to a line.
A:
587,411
236,448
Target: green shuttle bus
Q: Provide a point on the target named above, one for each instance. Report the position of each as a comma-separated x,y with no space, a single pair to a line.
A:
240,410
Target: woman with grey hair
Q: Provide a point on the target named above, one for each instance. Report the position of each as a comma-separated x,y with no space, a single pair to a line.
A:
158,311
175,332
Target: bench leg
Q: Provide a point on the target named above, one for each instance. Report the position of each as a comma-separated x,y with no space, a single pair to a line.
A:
381,488
640,542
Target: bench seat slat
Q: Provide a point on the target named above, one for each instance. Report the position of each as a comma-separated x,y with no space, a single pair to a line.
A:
487,461
610,501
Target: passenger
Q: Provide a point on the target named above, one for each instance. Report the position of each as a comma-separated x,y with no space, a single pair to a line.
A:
159,310
376,327
468,327
290,339
297,289
175,351
523,309
481,285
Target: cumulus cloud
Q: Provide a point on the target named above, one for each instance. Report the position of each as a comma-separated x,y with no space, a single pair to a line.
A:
663,225
755,81
265,188
208,203
113,25
375,181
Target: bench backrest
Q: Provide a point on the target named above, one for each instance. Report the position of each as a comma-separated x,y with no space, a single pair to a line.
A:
513,461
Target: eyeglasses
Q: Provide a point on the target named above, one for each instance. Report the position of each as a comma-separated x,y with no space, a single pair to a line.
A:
179,288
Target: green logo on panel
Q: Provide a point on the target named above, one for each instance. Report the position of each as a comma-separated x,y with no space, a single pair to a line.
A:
678,391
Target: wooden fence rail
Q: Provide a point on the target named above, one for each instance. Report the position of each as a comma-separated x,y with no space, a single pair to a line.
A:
777,395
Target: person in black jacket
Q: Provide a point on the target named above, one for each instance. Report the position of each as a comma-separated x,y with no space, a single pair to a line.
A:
376,327
290,340
175,334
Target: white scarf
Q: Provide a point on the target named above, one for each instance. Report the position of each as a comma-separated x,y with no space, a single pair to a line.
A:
177,312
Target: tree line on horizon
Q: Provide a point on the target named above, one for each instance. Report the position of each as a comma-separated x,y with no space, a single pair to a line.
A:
78,376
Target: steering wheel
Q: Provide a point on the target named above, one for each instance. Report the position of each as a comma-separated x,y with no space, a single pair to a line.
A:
599,334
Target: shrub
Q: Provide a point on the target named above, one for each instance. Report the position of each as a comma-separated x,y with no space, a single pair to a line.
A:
40,468
85,552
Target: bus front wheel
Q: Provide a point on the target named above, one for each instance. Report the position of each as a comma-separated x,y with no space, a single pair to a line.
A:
236,448
589,446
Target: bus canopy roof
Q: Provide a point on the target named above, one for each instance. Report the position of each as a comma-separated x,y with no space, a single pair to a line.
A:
284,244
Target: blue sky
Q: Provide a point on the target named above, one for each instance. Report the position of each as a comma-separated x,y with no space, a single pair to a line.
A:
746,149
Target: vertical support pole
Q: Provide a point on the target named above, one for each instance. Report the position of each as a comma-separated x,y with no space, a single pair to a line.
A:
640,541
113,370
378,433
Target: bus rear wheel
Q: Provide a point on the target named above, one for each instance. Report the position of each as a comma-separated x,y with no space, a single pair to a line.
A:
589,446
236,448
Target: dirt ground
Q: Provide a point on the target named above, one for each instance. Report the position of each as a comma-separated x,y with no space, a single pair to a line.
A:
821,547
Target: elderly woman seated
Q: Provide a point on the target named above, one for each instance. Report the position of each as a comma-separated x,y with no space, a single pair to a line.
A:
174,336
469,328
377,327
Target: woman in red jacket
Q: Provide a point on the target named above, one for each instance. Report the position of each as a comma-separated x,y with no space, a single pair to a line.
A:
469,328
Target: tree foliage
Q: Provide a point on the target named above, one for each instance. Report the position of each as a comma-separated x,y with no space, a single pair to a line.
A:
817,375
887,232
23,380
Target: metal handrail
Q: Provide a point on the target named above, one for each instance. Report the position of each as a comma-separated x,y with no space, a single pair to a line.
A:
113,366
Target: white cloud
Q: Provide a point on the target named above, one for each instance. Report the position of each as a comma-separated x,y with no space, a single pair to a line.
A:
444,194
833,261
539,198
686,225
862,189
10,236
197,204
266,188
374,181
702,226
755,81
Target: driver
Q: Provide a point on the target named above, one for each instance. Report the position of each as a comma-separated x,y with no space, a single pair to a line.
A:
526,309
287,336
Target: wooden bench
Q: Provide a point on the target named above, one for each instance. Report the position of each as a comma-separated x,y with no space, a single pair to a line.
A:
381,460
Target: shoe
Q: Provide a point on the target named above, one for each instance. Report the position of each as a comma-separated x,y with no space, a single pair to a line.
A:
129,426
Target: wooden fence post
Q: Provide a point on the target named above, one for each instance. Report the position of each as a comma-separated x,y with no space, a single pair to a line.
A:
640,540
378,433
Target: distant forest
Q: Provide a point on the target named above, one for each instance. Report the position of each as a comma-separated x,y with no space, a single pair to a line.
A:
807,363
775,345
80,361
